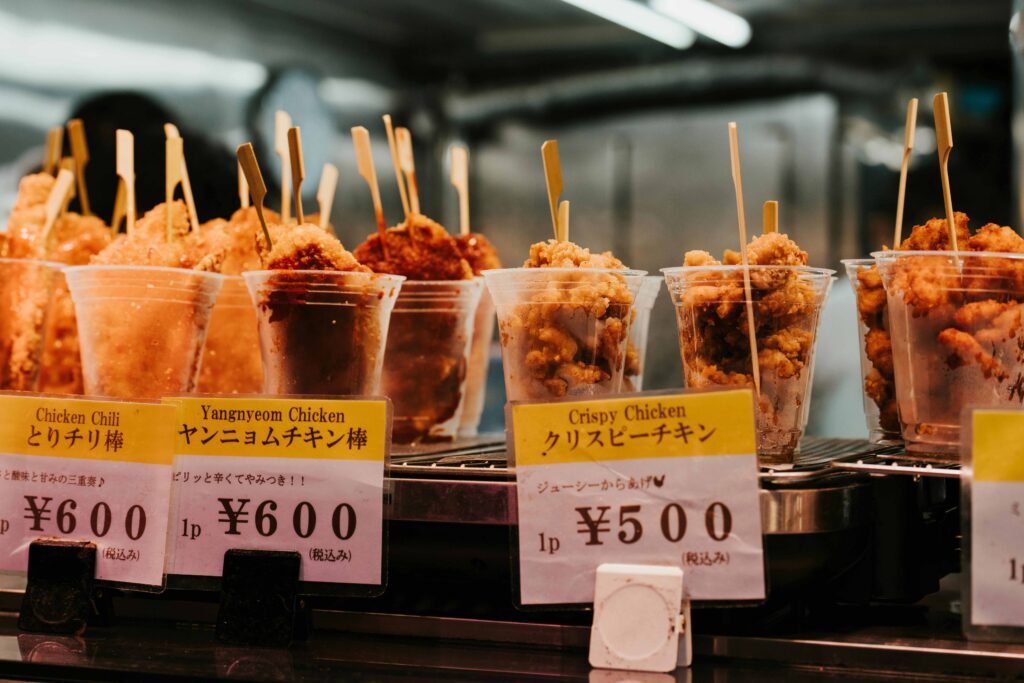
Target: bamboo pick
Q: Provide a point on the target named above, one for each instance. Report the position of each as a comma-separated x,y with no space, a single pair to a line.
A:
908,148
563,221
172,178
364,159
325,193
398,166
737,181
55,200
254,179
282,122
770,217
298,170
944,142
126,173
460,180
120,206
404,139
68,164
243,188
553,178
54,147
80,151
171,131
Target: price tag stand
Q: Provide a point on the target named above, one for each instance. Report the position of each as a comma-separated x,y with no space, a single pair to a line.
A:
992,508
61,596
260,604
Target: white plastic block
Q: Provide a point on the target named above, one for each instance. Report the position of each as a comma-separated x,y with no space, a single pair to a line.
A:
637,618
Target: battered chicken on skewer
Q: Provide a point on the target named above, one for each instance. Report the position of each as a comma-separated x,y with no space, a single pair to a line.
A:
73,240
572,331
420,249
426,359
714,338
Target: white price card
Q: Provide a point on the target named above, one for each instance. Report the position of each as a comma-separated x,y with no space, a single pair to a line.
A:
87,470
294,474
649,478
994,521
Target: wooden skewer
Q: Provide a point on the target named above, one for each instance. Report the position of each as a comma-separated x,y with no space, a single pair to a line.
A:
126,173
944,142
770,217
254,179
737,181
460,180
398,165
120,207
908,148
243,188
68,164
282,122
364,159
298,170
171,131
404,139
553,178
57,198
563,221
54,147
172,178
325,193
80,151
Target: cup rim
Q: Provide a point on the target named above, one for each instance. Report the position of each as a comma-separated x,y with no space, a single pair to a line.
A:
894,253
866,260
388,277
56,265
148,269
627,272
809,270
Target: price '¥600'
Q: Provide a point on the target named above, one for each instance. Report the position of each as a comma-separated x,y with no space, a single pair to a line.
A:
235,514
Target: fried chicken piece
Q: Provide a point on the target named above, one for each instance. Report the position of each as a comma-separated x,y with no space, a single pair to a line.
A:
966,350
28,217
419,249
871,301
996,238
148,245
478,251
554,254
698,257
934,235
878,349
307,247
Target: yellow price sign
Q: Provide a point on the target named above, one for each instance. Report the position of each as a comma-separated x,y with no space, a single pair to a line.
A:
71,427
635,427
998,449
282,427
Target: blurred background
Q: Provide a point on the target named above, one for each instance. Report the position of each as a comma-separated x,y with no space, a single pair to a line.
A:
637,92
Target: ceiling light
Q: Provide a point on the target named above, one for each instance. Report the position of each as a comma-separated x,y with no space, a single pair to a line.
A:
707,19
641,19
44,54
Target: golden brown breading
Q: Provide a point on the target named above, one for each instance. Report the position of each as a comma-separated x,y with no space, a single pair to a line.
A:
934,235
307,247
554,254
478,251
419,249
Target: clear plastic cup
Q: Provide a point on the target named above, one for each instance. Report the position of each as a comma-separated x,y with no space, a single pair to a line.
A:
141,328
425,366
955,322
231,356
479,361
60,369
564,331
638,329
714,342
321,331
879,382
26,289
